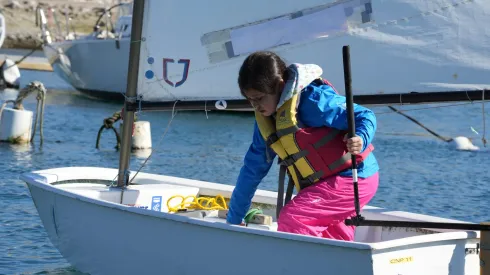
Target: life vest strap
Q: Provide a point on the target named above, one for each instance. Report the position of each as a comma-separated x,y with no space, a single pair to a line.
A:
273,138
286,131
308,181
347,157
291,159
327,138
311,179
343,159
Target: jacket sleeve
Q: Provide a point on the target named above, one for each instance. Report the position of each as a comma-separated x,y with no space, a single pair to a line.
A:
321,106
257,163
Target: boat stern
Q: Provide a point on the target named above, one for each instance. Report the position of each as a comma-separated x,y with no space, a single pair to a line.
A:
405,250
451,256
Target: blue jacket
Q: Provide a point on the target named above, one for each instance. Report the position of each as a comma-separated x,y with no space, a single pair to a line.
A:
319,106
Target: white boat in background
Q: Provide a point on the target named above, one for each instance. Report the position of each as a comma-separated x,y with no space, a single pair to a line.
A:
97,63
3,29
108,221
392,54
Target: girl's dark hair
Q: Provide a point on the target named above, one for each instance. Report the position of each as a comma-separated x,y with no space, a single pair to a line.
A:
261,71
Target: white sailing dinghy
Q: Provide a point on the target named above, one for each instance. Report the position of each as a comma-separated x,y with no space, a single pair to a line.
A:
106,226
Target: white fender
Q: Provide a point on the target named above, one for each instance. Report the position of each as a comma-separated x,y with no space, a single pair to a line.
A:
142,153
463,143
16,125
11,73
142,135
141,138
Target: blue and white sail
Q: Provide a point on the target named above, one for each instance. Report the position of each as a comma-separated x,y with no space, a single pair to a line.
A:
192,50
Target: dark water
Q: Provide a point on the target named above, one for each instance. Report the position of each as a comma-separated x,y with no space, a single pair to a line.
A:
418,173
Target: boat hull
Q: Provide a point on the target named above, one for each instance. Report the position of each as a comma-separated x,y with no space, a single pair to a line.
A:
102,237
94,67
106,240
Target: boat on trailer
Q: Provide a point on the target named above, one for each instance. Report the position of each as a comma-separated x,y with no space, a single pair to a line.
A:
116,221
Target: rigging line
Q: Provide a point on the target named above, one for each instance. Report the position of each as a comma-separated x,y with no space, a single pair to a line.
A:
405,134
484,140
174,113
420,124
432,107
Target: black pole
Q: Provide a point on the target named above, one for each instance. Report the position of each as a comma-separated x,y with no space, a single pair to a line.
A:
420,224
131,93
358,220
351,122
280,190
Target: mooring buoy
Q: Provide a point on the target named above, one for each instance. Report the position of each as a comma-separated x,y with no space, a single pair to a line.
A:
463,144
15,125
141,135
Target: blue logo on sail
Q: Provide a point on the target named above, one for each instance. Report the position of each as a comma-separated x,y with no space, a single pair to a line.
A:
156,203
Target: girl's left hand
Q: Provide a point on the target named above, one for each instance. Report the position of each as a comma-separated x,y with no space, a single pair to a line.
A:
354,144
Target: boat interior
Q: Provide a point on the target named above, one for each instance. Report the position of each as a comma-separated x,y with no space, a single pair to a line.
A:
164,196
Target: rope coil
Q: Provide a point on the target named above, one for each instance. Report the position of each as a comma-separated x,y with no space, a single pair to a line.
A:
201,203
108,123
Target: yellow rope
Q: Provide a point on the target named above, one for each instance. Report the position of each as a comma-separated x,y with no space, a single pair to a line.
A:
204,203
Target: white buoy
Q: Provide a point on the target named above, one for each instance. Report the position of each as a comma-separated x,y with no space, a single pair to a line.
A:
142,153
464,144
141,138
141,135
11,73
15,125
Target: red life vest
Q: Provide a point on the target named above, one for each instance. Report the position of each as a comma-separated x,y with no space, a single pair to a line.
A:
311,153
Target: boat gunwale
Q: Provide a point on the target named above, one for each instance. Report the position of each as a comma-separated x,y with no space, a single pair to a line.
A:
42,179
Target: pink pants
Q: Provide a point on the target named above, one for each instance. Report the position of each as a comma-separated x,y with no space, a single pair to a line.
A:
321,209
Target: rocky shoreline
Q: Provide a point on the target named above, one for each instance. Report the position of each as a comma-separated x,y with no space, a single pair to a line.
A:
20,17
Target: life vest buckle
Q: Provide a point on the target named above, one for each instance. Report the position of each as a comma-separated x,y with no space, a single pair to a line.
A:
291,159
273,138
311,179
287,161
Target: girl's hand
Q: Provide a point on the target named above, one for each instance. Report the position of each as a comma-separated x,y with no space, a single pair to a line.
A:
354,144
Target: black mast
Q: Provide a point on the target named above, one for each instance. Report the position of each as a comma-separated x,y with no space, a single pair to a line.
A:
131,93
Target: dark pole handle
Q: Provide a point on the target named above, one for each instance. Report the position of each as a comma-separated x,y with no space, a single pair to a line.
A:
348,92
350,120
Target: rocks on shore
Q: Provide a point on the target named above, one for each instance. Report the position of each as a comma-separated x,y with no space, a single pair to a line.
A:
20,17
22,41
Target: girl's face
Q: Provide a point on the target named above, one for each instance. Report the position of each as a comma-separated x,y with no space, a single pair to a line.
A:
263,103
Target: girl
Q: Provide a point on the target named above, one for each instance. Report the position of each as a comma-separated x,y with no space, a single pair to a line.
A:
301,118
